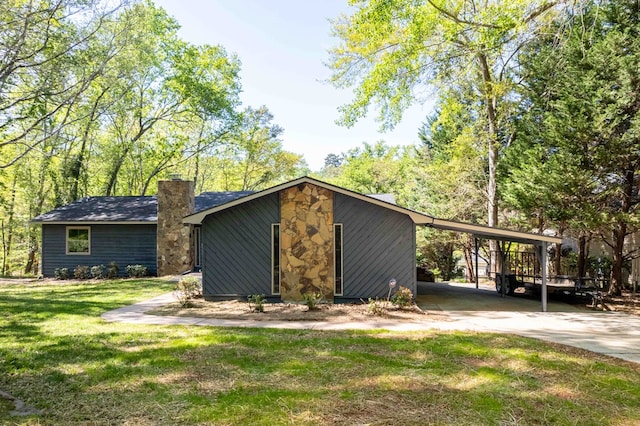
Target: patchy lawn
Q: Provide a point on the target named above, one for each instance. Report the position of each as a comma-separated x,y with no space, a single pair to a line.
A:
59,357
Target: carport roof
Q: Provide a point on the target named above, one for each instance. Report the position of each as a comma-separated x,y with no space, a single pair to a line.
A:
418,218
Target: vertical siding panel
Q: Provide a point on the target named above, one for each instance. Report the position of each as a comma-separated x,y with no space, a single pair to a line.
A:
237,249
379,244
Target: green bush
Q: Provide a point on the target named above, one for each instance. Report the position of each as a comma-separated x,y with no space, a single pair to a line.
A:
98,271
113,270
62,273
136,271
187,289
402,298
376,307
82,272
312,300
256,302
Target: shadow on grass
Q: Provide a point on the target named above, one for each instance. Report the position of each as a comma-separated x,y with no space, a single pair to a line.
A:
39,303
57,355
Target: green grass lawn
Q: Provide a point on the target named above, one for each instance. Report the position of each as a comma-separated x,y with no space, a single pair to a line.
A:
57,355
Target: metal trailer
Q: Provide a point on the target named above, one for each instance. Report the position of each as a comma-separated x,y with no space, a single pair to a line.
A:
522,270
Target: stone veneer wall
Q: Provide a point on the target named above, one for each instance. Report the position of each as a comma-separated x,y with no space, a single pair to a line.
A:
176,199
306,242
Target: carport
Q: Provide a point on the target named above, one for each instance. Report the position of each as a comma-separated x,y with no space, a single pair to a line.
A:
541,242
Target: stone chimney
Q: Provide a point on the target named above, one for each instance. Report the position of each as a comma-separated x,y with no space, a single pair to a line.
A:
176,199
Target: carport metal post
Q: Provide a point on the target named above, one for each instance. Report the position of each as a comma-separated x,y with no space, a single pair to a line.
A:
501,246
478,279
543,266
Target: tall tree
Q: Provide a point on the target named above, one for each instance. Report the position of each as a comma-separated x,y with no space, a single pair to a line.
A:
250,156
171,85
39,41
98,97
587,111
453,177
379,169
393,50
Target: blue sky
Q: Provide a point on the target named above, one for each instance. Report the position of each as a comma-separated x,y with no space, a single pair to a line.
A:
283,45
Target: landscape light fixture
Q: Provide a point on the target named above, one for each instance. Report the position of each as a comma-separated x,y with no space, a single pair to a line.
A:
392,284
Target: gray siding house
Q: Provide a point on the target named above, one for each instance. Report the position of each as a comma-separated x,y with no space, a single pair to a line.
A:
303,236
146,230
99,230
306,236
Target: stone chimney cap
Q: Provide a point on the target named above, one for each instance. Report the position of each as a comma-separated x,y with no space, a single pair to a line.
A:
175,176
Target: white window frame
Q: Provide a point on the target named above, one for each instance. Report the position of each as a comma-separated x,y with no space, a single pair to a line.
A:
337,276
66,240
275,256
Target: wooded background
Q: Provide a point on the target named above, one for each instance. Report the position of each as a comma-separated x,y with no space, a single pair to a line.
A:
536,126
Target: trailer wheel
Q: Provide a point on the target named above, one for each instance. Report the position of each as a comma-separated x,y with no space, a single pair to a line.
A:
507,290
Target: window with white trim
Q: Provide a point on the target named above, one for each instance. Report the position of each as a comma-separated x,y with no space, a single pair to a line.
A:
337,260
78,240
275,258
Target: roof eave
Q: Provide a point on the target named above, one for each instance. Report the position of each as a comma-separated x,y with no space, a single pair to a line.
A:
488,232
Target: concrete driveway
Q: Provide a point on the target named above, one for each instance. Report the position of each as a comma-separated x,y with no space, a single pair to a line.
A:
468,308
461,307
465,297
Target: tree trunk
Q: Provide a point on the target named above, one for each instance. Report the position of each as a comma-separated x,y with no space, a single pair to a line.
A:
492,140
7,238
619,234
557,261
582,257
115,171
31,267
468,258
78,166
448,263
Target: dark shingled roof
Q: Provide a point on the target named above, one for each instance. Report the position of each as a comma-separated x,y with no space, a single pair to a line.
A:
105,209
138,209
206,200
127,209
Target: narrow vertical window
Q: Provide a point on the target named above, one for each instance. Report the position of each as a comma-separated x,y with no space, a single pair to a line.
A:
337,244
275,258
197,253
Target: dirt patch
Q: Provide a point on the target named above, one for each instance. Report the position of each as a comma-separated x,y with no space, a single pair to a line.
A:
298,312
628,303
21,409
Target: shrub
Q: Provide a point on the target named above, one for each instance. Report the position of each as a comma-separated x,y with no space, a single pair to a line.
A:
376,307
61,273
98,271
187,289
82,272
402,298
256,302
136,271
312,300
113,270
